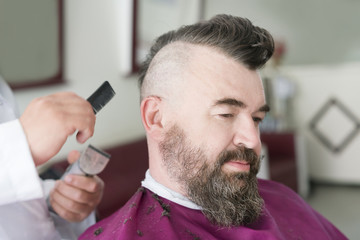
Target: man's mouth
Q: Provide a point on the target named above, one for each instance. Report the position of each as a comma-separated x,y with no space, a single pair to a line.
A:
237,165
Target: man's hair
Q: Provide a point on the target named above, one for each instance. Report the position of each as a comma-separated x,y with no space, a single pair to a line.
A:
236,37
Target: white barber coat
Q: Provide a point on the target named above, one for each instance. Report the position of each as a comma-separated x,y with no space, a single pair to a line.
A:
23,210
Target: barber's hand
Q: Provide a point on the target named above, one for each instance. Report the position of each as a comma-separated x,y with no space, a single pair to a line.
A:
49,120
77,196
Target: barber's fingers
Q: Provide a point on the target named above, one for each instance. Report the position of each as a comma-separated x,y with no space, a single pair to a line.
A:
73,201
67,208
68,214
89,184
69,203
83,135
81,119
81,189
75,194
73,156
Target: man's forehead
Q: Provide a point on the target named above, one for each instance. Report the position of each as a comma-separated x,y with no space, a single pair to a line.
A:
226,79
233,102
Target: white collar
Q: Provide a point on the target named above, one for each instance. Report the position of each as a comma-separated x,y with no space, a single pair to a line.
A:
150,183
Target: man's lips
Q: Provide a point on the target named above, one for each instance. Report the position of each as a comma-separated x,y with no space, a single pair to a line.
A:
242,166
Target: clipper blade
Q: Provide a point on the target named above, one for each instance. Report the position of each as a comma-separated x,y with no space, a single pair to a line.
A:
93,160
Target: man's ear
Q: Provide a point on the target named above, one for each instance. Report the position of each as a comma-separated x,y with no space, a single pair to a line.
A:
151,115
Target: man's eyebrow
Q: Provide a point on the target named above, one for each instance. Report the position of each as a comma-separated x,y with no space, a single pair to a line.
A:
237,103
230,101
265,108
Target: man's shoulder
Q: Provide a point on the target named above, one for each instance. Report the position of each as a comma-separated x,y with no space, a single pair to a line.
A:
272,189
264,183
140,215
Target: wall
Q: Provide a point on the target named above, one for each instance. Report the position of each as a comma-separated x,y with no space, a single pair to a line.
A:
316,85
322,31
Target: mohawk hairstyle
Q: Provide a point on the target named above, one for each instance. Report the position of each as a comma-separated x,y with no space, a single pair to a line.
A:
235,36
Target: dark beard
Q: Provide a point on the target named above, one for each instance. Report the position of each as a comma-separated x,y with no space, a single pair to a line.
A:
226,199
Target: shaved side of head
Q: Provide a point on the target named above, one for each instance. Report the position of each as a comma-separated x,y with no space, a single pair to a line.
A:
166,72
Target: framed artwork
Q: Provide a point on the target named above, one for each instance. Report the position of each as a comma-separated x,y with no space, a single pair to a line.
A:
331,114
31,42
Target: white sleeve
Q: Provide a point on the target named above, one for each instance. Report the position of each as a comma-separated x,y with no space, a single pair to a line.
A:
68,230
19,180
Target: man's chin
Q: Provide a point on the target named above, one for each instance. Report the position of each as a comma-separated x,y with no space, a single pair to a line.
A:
233,174
241,182
227,198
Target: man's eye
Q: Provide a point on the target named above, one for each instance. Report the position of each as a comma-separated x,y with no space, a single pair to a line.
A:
226,115
257,120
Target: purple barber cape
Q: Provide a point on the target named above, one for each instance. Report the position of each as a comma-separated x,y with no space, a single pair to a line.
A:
148,216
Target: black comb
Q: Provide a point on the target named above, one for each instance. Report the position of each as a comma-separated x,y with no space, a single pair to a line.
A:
101,96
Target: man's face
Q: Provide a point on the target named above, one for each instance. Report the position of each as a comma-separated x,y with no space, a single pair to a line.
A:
227,199
214,142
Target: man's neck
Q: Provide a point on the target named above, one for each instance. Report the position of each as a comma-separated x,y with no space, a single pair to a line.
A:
151,184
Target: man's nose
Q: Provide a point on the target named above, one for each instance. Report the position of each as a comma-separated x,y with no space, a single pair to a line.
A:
246,133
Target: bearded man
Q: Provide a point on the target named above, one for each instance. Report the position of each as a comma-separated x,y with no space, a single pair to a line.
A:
202,101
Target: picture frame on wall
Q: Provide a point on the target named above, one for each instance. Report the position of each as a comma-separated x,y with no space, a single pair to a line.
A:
31,43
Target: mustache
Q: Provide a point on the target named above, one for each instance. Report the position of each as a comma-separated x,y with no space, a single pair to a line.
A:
240,153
